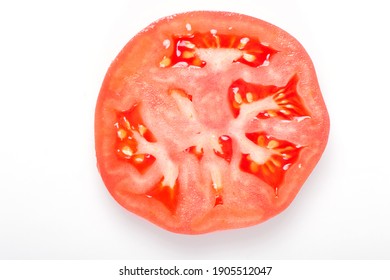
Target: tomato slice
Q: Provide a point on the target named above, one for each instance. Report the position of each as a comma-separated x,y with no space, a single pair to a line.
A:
209,121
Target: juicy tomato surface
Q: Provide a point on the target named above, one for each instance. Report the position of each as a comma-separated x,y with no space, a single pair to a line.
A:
209,121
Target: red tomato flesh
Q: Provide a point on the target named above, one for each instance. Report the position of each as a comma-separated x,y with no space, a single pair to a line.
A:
209,121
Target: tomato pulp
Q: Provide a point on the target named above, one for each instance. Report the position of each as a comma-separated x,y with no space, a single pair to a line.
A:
208,121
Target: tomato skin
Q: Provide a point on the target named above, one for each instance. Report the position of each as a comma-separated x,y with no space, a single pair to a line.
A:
197,202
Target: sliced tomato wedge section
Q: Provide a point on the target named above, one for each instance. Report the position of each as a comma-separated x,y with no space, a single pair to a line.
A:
209,121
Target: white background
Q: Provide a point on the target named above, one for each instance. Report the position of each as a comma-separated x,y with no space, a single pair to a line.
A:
53,204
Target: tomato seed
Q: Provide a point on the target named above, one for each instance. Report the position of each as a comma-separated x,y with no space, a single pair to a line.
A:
188,54
272,144
272,113
249,57
238,98
122,133
249,97
142,129
127,151
165,62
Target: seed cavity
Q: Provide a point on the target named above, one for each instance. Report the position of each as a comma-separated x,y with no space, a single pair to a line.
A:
282,155
276,102
254,53
165,62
